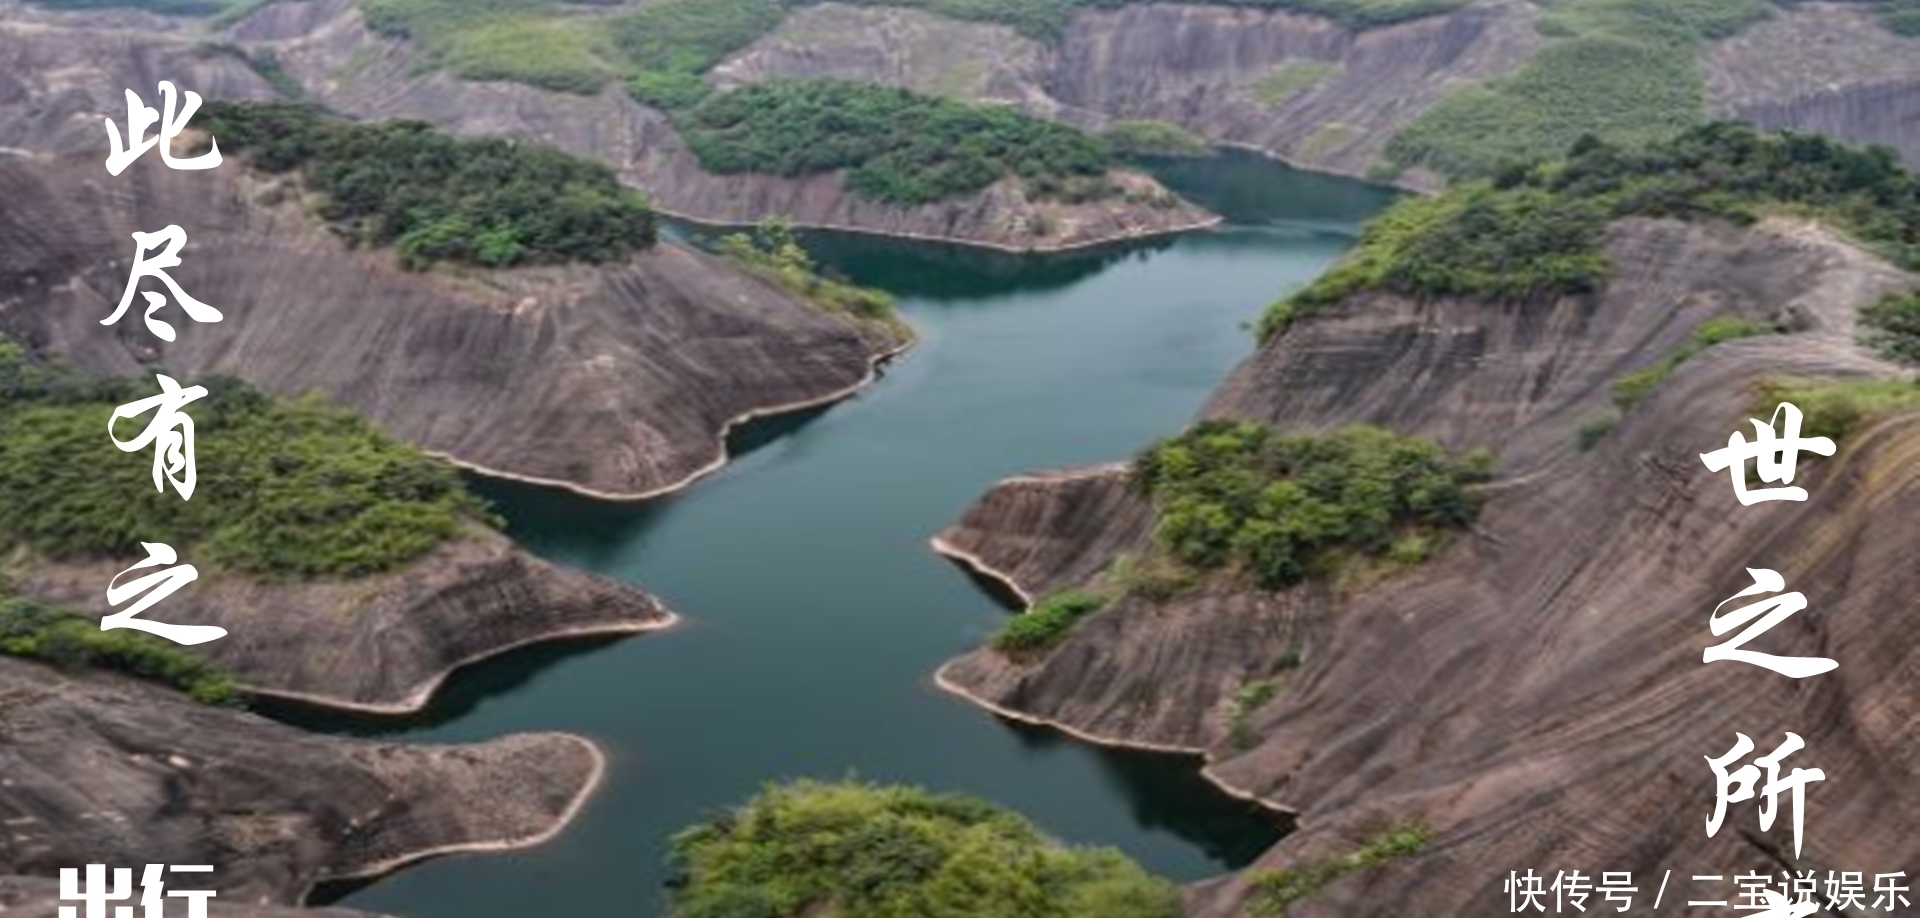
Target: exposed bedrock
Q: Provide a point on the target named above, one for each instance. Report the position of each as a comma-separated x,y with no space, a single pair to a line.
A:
63,74
619,380
102,769
39,897
1826,67
1318,95
1536,695
328,48
381,643
1292,85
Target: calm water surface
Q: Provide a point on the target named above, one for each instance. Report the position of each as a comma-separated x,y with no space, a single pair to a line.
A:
816,613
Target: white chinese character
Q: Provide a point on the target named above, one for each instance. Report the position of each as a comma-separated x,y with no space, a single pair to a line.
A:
163,584
170,431
96,894
1617,886
1571,888
139,117
1775,610
196,898
1739,786
1846,891
1775,458
1754,890
1889,892
173,237
1703,878
1801,887
1525,891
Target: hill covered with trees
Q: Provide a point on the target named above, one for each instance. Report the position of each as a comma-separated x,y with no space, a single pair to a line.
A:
292,489
1535,231
433,197
851,850
899,146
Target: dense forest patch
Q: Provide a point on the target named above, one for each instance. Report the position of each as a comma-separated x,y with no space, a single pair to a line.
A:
36,631
285,488
433,197
899,146
1892,327
1040,628
851,850
1535,231
1624,71
1237,495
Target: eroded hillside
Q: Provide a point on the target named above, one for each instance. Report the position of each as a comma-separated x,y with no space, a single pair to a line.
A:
617,379
104,769
1334,97
1534,697
1410,93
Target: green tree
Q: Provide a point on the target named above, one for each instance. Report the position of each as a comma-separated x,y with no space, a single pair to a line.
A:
489,202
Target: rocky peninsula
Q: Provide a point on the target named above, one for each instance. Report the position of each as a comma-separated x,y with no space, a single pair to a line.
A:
1545,670
104,769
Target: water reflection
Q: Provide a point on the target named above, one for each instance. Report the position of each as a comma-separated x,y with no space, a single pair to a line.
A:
816,612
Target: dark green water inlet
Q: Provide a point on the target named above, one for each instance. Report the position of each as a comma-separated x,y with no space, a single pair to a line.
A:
815,611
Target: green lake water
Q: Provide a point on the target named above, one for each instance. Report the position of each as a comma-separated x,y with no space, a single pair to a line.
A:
815,611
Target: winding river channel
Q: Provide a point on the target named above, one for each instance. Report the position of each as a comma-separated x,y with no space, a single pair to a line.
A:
815,611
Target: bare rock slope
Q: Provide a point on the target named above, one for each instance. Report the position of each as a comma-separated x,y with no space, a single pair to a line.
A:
326,46
101,769
1826,67
1293,85
1536,696
39,897
1306,90
618,380
381,643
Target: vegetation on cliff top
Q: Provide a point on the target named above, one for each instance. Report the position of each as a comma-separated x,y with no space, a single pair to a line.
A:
1837,408
488,201
662,49
1535,231
668,46
773,252
1624,71
1277,890
1040,628
900,146
1892,327
852,850
1283,508
37,631
285,488
527,41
